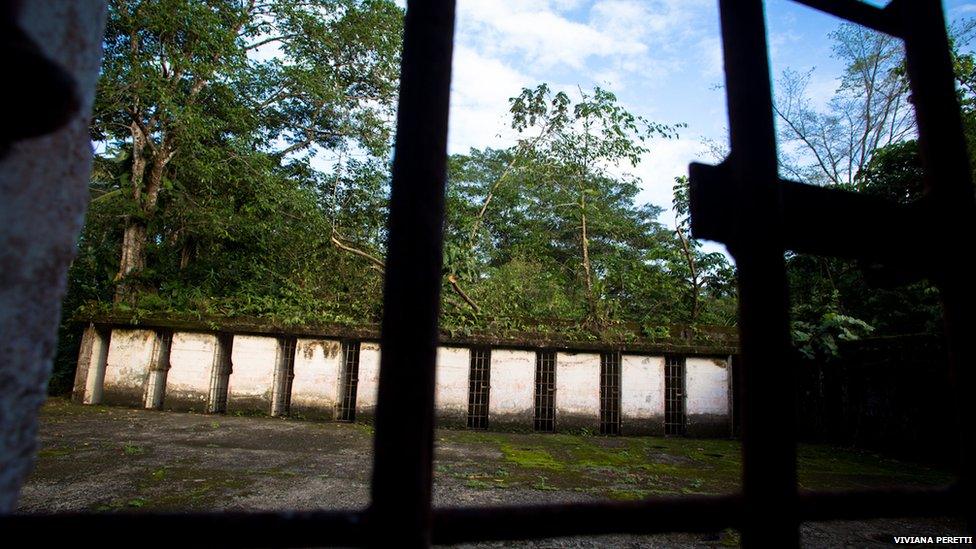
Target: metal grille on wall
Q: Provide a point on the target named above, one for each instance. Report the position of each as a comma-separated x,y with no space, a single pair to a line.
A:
284,375
742,203
674,395
349,382
479,386
545,391
220,375
610,393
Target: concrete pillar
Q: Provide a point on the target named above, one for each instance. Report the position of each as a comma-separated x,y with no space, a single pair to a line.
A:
315,387
368,384
512,395
707,401
252,376
284,373
642,395
90,373
130,358
192,359
451,396
578,391
156,385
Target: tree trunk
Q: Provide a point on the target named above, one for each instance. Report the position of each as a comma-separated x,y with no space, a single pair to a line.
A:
132,262
587,269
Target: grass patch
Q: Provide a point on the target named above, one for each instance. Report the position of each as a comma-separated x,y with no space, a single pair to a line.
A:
130,449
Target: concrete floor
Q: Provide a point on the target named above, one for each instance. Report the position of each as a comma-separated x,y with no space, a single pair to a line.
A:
107,459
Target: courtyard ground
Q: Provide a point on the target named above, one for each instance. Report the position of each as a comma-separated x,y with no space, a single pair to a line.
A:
101,459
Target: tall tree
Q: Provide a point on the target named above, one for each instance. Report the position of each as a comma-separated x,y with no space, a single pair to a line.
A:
188,86
869,110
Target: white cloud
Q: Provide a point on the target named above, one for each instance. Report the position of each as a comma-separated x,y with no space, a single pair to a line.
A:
480,90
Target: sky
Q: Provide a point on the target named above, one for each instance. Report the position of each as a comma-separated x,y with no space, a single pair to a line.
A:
662,58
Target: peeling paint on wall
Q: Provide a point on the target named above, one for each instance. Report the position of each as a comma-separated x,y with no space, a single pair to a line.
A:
512,395
315,387
577,390
251,384
642,394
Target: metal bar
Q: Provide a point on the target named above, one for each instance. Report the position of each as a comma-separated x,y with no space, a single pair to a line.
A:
404,439
456,525
768,412
218,529
879,19
949,192
684,514
861,226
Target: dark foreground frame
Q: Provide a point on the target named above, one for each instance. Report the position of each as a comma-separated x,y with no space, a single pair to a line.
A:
768,217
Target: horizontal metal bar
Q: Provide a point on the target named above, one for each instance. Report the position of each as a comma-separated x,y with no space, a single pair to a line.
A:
456,525
823,221
216,529
679,514
879,19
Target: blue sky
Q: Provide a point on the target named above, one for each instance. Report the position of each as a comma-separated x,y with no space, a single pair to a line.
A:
661,57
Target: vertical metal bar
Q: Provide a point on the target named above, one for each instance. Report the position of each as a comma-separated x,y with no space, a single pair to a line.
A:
949,191
404,439
768,441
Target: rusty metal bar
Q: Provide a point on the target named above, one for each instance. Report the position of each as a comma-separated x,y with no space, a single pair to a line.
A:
949,194
404,447
768,403
879,19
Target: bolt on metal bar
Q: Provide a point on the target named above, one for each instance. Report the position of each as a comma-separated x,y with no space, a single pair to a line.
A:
768,407
404,439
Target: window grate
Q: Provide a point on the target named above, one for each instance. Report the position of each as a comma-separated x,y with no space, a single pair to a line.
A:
479,387
545,391
610,393
674,391
349,381
284,375
220,375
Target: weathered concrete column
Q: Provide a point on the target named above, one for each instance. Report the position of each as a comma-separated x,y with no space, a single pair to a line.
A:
642,395
707,404
90,371
315,387
43,196
369,380
451,397
578,391
512,397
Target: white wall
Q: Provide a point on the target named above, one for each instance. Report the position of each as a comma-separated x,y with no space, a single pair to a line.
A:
254,360
315,387
512,384
453,368
130,357
707,386
369,377
642,393
191,360
577,388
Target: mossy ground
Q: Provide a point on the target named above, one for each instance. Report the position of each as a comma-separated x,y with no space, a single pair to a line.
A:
109,459
636,467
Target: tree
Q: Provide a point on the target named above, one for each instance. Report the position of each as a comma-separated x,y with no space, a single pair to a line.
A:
869,110
187,89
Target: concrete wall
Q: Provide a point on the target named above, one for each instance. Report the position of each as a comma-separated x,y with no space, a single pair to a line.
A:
254,359
707,390
191,358
578,391
315,387
512,396
451,396
259,364
131,355
369,380
642,395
